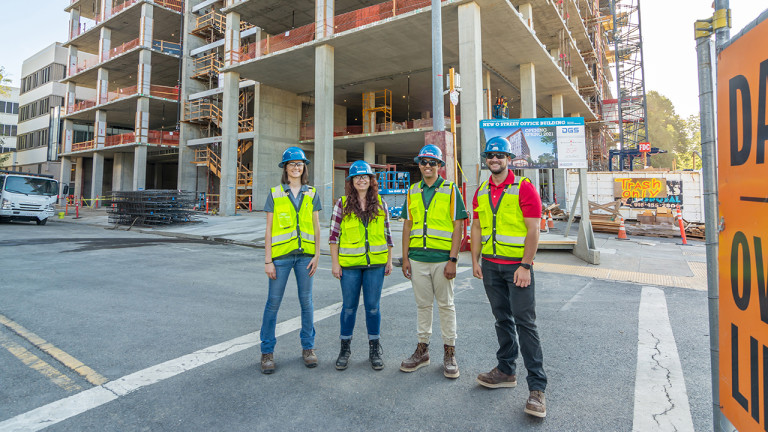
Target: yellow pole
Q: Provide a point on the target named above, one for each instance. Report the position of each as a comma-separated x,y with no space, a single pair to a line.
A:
452,73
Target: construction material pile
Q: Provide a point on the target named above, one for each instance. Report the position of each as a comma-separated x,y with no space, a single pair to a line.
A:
152,207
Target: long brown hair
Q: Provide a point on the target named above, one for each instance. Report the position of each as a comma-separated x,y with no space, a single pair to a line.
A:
372,205
304,175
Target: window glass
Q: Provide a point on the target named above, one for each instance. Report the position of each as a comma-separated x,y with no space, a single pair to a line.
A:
31,186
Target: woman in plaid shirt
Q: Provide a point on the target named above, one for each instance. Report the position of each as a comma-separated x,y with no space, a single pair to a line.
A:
361,251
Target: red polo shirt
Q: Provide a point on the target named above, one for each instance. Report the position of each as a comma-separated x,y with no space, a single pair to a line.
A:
530,203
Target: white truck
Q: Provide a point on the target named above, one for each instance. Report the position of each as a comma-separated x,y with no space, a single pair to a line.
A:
27,197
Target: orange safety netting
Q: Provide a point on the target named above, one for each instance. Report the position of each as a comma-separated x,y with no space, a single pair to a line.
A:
164,91
375,13
121,93
81,106
126,138
171,4
85,145
114,52
163,138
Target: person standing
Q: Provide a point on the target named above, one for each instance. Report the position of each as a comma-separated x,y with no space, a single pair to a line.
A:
291,242
361,252
505,232
432,234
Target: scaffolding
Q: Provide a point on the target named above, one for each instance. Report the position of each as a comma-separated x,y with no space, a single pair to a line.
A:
373,104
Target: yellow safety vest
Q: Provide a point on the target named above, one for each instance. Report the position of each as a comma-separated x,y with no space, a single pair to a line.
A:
503,226
292,230
432,222
361,245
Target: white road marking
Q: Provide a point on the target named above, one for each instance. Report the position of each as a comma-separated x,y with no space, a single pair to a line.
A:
576,297
63,409
661,401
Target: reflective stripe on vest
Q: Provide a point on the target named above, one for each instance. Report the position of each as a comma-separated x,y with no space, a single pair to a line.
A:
432,227
291,230
503,226
361,245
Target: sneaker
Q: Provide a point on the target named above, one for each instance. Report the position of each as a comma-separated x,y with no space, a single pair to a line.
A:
536,404
419,358
267,363
450,368
496,379
310,358
344,353
374,354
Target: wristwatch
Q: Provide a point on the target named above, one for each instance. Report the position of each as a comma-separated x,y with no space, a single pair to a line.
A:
453,259
525,266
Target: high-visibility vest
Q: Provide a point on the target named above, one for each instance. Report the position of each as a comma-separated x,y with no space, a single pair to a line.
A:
292,230
361,245
503,226
432,222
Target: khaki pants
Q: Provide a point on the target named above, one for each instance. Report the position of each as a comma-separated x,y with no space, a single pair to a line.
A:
429,284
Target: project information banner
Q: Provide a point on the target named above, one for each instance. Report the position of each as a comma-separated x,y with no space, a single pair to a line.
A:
556,142
742,131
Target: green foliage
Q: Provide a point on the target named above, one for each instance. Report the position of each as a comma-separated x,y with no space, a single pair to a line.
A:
4,83
668,131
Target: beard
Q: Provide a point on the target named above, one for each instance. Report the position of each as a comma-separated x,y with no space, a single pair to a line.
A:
498,170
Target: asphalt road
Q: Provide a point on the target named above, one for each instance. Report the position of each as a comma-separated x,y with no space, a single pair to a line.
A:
122,302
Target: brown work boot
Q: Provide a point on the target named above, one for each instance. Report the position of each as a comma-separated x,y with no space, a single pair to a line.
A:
536,404
496,379
419,358
450,368
310,358
267,363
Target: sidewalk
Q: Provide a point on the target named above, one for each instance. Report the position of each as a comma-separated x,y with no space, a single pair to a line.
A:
644,260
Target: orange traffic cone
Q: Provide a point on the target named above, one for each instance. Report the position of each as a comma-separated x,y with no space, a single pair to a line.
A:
622,231
550,221
543,227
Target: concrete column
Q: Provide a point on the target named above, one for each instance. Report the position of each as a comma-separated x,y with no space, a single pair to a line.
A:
147,24
71,61
102,86
140,167
68,136
232,39
324,13
528,106
382,159
78,192
141,126
369,152
117,171
74,23
71,93
144,73
229,129
471,69
158,176
488,95
369,120
323,172
527,11
65,175
97,175
339,176
575,81
105,44
557,106
100,129
106,9
575,114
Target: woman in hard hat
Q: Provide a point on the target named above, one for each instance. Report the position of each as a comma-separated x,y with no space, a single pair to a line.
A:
291,243
361,251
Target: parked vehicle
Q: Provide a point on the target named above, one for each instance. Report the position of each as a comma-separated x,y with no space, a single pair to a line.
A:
28,197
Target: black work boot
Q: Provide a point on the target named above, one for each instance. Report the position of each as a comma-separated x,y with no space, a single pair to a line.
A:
341,362
374,353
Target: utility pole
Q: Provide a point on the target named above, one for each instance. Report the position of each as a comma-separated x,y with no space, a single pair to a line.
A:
438,116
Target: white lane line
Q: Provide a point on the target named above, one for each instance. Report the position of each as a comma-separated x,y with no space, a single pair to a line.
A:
576,297
661,401
63,409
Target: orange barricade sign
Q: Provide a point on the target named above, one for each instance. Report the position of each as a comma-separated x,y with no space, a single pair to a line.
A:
742,93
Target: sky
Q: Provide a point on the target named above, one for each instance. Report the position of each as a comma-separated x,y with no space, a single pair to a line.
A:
669,48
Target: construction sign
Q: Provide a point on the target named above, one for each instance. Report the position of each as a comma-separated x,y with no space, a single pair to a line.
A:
557,142
742,94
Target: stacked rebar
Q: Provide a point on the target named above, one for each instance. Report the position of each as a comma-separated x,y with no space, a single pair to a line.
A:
152,207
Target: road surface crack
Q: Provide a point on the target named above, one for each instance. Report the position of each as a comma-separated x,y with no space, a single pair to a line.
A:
656,358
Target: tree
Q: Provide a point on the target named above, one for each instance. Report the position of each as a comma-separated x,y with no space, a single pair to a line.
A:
668,131
4,83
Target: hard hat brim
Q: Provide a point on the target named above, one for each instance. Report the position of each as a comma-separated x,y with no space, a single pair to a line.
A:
417,159
282,164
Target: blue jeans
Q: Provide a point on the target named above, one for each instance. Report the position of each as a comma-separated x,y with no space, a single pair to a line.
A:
283,268
370,280
515,311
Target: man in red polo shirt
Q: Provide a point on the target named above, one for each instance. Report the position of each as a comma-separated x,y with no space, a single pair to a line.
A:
505,232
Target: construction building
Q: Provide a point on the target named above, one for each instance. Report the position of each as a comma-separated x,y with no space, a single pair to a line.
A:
9,111
125,137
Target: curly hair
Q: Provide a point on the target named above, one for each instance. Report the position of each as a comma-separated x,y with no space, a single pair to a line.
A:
372,205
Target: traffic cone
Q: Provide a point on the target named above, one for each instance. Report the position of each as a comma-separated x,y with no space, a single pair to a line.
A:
550,221
543,227
622,231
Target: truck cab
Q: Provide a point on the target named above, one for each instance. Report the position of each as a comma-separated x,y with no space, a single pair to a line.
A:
27,197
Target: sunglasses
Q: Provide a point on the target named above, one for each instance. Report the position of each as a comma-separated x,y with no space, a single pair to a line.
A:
498,156
428,162
295,164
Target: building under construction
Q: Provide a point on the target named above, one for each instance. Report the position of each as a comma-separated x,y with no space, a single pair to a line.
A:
344,80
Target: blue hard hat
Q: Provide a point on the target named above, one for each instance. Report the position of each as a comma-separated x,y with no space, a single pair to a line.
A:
293,153
498,145
430,151
359,168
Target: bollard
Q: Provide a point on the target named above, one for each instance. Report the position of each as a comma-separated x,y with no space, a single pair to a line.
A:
682,228
250,204
206,205
77,210
66,209
96,203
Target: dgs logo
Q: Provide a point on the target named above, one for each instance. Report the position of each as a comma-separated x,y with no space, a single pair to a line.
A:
570,130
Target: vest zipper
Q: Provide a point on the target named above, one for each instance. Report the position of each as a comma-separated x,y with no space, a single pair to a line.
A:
367,245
